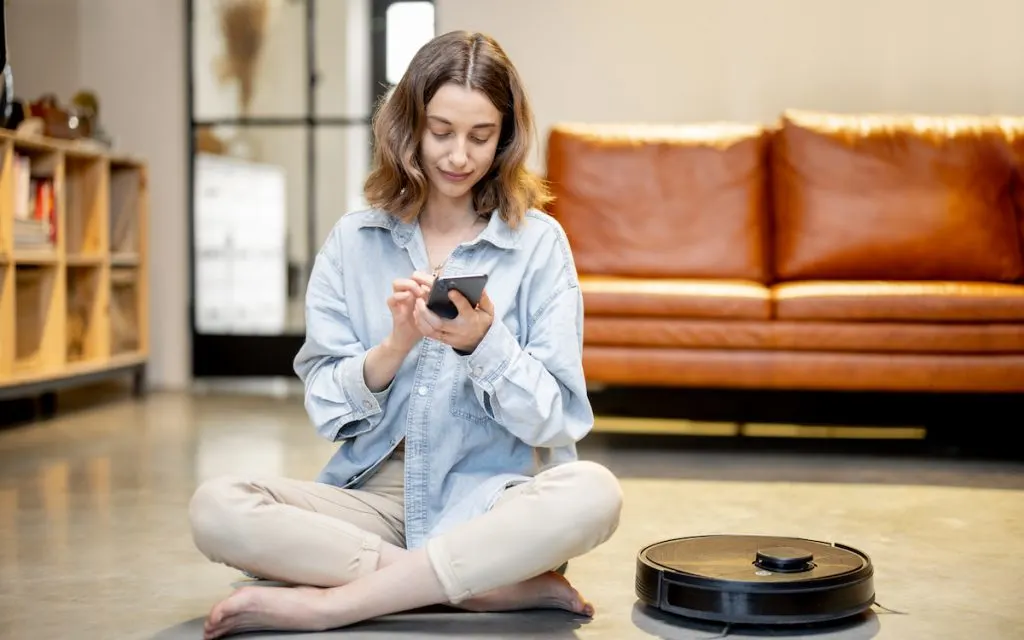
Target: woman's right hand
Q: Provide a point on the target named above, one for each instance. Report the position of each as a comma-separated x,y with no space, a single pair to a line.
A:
404,332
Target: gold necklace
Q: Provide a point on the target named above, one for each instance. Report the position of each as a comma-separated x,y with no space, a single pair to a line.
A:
440,265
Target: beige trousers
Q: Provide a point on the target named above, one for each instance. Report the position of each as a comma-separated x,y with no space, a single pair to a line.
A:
310,533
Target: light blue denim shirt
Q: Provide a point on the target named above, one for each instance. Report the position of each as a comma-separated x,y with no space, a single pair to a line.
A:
473,424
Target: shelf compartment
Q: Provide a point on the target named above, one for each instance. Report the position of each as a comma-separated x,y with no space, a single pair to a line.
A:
6,320
124,259
6,201
84,261
126,185
125,310
39,317
36,183
85,206
36,256
87,333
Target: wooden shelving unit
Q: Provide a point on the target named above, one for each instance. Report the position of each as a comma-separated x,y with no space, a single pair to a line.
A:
73,268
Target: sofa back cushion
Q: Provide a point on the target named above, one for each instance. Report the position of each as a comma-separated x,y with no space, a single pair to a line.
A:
672,201
1013,131
893,198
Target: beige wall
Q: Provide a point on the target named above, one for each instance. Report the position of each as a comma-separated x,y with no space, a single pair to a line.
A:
140,74
599,60
37,29
687,60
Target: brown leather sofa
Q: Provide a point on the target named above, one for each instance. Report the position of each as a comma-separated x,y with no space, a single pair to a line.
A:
825,252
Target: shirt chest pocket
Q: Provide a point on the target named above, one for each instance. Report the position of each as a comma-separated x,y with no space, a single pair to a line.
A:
463,398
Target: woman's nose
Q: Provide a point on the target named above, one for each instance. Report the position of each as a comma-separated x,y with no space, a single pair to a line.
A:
458,155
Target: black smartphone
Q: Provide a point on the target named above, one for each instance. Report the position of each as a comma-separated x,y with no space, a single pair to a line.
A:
471,286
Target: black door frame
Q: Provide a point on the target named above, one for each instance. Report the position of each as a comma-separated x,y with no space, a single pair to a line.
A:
236,355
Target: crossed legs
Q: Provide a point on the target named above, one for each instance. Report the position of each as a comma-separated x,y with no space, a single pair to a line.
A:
499,561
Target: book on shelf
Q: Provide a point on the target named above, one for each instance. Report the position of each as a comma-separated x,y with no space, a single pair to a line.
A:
35,207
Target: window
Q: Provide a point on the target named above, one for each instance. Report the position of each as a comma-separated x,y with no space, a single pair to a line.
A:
410,25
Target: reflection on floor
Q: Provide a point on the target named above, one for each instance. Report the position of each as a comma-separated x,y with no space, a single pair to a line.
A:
94,542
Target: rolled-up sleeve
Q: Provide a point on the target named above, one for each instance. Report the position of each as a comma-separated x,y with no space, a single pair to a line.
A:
330,361
538,391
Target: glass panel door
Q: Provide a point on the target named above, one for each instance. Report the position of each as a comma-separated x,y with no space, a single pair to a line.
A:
281,93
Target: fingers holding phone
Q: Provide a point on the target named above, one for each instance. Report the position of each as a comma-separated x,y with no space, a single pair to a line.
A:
427,322
463,332
465,307
457,311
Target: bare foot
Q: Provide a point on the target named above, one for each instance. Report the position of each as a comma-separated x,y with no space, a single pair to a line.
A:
547,591
266,609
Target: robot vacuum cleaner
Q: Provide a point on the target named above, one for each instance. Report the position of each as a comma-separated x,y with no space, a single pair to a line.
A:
755,580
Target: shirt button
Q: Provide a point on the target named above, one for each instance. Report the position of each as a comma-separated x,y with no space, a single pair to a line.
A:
367,404
478,371
422,391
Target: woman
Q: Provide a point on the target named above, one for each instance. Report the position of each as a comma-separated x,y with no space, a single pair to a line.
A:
456,480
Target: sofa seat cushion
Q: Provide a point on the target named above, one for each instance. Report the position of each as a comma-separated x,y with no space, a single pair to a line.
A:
672,298
803,370
900,301
845,337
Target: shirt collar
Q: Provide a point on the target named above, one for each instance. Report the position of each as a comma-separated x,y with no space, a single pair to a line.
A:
497,231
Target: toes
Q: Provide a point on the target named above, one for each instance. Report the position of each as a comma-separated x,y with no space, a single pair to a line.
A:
217,622
581,605
217,614
212,630
210,627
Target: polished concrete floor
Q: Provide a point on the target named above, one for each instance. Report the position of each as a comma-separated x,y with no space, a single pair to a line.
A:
94,541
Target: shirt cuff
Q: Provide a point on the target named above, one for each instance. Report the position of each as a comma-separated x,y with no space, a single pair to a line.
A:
493,355
350,378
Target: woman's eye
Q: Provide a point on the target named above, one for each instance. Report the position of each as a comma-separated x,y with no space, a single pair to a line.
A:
448,134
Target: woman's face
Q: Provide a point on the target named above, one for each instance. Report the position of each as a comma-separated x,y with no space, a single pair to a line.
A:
460,139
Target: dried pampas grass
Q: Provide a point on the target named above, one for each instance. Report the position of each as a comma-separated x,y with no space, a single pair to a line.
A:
243,25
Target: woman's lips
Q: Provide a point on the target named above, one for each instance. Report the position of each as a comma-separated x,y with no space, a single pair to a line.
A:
455,177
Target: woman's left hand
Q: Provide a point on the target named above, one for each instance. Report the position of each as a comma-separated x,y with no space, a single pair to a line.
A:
463,332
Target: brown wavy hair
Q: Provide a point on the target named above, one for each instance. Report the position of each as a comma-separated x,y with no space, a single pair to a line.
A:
397,183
